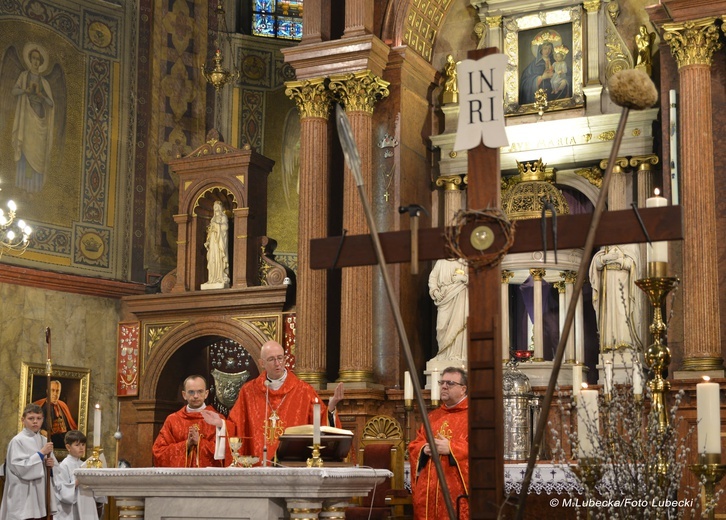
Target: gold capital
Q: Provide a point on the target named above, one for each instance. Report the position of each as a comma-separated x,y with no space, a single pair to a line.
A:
592,6
692,42
506,276
569,276
359,91
620,163
644,162
449,182
538,274
311,96
494,22
560,286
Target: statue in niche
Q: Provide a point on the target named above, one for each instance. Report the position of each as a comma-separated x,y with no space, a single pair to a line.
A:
216,246
448,288
613,272
644,43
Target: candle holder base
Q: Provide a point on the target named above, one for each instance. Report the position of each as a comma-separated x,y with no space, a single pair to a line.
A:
709,474
94,461
316,461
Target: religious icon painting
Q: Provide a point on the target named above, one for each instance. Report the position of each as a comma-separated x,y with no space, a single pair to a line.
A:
68,399
544,61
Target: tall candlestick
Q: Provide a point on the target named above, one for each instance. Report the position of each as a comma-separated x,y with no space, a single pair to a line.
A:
608,388
407,386
97,425
435,390
588,419
657,251
576,380
316,422
708,417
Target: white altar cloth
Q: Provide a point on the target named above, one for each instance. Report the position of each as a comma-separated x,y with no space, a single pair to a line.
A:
216,493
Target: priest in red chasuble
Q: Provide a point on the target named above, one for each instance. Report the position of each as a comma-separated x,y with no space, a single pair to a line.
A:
272,402
186,440
450,426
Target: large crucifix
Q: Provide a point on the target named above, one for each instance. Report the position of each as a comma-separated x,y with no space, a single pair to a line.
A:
486,413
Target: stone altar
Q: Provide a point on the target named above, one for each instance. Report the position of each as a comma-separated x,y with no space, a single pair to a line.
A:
232,493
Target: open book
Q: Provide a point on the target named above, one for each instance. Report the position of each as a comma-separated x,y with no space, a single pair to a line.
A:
307,429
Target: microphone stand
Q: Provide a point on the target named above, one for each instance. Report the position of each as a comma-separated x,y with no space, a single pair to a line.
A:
267,403
49,407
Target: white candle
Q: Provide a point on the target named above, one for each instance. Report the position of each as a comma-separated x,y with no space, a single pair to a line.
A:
316,422
708,417
608,377
97,425
637,380
407,386
576,380
657,251
588,418
435,390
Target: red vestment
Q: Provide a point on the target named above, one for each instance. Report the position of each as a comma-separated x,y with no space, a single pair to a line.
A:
428,501
170,446
252,416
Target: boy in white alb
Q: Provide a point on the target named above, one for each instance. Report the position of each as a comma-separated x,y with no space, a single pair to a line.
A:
29,454
74,503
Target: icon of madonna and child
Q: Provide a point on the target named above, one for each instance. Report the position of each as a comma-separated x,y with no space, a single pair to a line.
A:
550,70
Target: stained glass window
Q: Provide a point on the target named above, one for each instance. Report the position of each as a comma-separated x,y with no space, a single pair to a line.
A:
277,19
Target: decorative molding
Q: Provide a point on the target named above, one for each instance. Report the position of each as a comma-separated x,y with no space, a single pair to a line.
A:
359,91
692,42
312,97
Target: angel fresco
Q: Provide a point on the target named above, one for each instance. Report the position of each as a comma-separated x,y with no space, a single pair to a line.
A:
37,98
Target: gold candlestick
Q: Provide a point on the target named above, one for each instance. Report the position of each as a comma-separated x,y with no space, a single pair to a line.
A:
316,460
709,472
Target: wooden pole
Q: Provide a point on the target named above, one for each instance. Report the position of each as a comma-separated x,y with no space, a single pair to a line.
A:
49,421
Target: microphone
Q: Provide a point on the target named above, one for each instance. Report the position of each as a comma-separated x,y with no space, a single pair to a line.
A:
267,403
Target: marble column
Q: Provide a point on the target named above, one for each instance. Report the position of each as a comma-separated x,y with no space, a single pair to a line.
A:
316,21
593,87
452,185
358,18
693,44
358,93
313,101
617,191
494,33
538,275
506,276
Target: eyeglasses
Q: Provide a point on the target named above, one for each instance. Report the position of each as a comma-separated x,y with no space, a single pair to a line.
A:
278,359
445,382
194,392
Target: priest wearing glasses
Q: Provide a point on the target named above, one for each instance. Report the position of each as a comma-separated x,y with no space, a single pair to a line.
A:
450,427
272,402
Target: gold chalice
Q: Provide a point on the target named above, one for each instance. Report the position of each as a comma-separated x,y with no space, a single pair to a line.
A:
235,444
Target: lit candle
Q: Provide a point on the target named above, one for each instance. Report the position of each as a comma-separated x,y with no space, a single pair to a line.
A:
316,422
588,418
708,417
657,251
637,380
608,377
97,425
576,380
407,386
435,390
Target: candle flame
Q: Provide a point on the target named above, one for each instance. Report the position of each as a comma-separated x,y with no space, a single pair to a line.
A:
656,192
98,406
584,386
706,379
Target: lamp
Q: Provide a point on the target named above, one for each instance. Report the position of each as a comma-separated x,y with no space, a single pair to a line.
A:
218,75
14,235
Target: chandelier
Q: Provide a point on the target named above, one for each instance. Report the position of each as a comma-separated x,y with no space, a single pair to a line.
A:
14,235
218,75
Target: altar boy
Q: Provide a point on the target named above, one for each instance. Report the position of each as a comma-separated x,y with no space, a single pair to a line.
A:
74,503
29,453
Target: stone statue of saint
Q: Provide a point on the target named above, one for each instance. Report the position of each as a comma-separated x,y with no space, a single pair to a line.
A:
448,288
613,272
644,43
216,246
451,88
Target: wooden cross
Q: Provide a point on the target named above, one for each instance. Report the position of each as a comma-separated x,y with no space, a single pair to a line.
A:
486,408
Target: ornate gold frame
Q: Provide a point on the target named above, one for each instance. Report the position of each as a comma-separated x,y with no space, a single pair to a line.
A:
522,28
75,384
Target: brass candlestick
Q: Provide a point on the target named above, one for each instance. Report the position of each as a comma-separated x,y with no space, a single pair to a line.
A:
94,461
316,460
709,472
658,355
407,408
